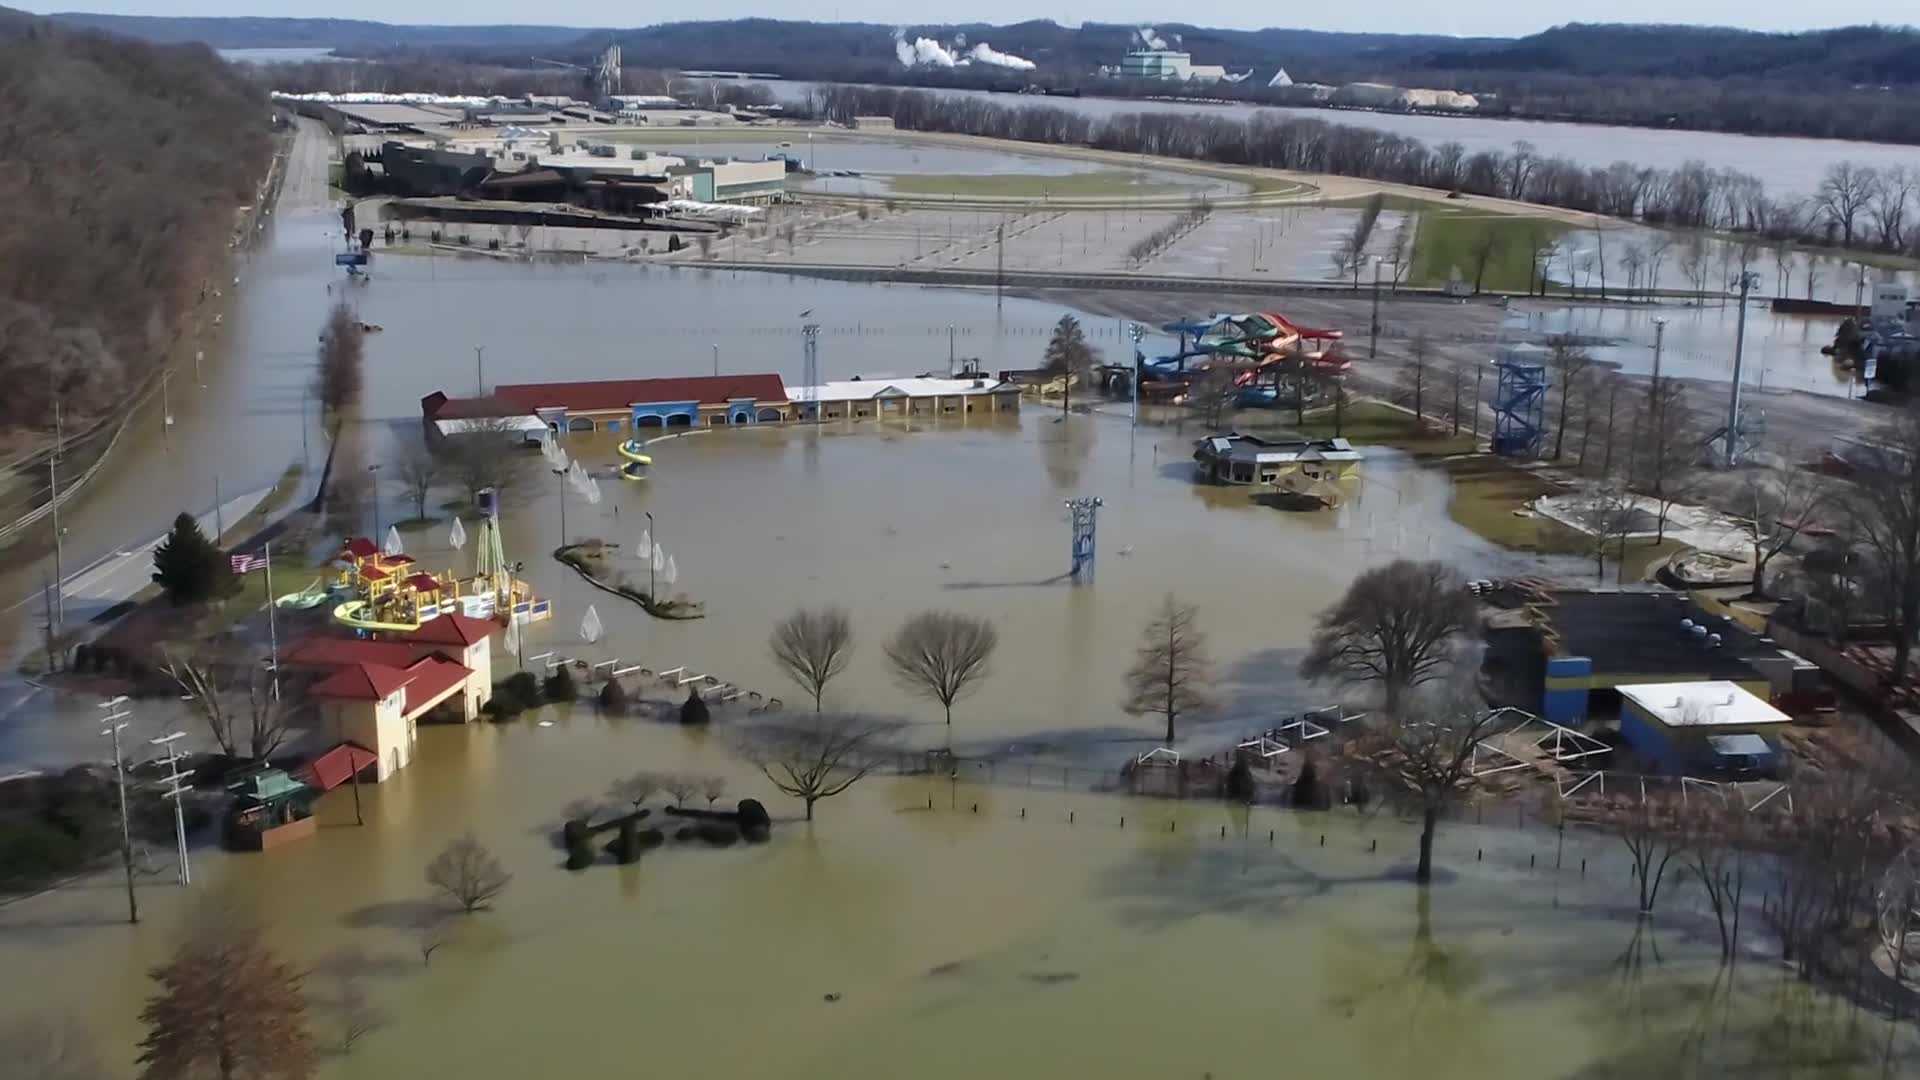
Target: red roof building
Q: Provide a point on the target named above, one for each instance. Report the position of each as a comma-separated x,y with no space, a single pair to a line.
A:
452,629
568,406
336,766
360,682
360,547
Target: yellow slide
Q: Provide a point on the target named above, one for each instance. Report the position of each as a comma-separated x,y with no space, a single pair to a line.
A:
631,451
356,614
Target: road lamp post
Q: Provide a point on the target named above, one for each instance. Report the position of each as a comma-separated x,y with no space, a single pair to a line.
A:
373,482
655,542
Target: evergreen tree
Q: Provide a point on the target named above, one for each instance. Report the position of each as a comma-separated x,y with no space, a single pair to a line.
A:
1067,351
187,565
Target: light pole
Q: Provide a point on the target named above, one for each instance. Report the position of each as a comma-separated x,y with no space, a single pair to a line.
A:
949,350
479,371
1373,328
53,500
651,595
116,719
716,358
374,483
1745,283
1136,332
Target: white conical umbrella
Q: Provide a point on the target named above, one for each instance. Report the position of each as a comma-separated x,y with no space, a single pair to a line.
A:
513,636
672,573
392,545
659,558
590,626
644,549
458,538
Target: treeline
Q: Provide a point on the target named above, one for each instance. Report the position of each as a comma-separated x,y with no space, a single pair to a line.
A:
1855,206
122,165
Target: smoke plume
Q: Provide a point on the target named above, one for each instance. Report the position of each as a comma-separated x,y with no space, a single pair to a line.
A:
926,52
1150,39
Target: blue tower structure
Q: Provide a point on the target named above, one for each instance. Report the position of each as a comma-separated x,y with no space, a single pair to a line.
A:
1519,408
1084,512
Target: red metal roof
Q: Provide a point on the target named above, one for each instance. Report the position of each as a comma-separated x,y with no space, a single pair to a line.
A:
373,573
452,628
336,766
613,394
332,652
361,682
428,679
424,582
360,547
396,560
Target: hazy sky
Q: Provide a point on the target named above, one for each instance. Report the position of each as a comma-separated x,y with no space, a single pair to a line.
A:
1466,17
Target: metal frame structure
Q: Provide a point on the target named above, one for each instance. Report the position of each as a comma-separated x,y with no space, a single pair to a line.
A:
1085,515
1557,743
1519,408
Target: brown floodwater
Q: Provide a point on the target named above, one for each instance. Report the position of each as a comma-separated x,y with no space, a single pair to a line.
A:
1033,936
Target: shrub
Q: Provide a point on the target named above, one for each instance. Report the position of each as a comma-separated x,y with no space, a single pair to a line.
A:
613,698
560,685
753,820
521,689
1240,781
1308,792
694,710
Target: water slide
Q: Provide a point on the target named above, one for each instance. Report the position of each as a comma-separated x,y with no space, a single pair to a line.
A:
310,597
637,462
357,614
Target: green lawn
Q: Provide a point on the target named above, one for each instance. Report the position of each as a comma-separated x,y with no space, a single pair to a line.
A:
1373,423
1449,240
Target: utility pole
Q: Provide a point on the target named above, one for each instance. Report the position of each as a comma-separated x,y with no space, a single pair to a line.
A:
175,792
479,371
219,526
949,350
1373,328
116,719
273,627
999,264
716,358
166,407
53,500
1747,280
1137,332
1479,374
651,594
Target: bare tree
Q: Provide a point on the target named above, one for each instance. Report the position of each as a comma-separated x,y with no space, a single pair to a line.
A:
1427,755
812,647
468,873
1459,376
681,786
226,1007
1398,625
1212,394
1650,827
713,787
1669,444
1568,361
262,721
1414,376
1170,669
1885,508
339,382
1716,835
418,469
1844,194
1777,504
1607,514
1485,249
819,756
942,655
430,931
635,789
489,453
1893,201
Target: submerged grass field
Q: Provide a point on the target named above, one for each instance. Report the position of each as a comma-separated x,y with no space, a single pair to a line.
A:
1450,240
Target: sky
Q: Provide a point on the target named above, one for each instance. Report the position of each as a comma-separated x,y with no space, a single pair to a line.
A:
1458,17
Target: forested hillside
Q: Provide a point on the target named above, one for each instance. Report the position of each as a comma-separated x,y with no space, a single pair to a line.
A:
121,167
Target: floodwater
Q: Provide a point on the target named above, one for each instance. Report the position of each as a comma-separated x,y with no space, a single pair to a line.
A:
1787,166
906,932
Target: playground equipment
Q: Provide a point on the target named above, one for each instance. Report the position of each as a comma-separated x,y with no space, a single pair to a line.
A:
1263,347
310,597
389,592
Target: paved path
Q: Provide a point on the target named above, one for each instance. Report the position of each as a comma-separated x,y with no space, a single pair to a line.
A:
121,575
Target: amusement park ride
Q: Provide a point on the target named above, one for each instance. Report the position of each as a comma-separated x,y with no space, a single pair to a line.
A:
1258,347
386,590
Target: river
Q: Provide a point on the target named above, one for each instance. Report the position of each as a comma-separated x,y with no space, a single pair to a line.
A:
1787,166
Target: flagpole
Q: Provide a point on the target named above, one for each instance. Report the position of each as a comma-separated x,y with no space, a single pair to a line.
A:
273,630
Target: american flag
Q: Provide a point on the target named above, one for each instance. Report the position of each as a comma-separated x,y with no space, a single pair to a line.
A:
246,564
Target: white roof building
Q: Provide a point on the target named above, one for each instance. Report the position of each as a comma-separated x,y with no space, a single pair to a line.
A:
1716,704
916,387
